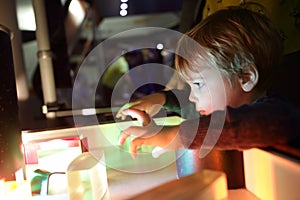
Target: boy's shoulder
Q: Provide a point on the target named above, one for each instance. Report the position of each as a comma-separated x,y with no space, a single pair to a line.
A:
274,98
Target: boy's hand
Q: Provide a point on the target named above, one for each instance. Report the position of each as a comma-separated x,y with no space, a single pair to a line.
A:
148,128
151,104
149,134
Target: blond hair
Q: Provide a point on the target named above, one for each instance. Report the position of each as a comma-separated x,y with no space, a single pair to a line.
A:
230,40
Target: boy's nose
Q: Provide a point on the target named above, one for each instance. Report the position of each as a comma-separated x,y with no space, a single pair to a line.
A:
192,97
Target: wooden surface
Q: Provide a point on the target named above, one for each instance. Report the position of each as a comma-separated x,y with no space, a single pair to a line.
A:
206,184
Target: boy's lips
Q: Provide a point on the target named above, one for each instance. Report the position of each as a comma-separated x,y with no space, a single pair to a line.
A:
202,112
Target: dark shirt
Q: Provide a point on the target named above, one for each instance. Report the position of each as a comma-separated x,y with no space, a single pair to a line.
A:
268,122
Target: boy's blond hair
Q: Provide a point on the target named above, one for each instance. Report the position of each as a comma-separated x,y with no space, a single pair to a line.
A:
230,40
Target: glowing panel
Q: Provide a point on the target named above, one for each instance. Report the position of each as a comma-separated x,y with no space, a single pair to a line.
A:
271,176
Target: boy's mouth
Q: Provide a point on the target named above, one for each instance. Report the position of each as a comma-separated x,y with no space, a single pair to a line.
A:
202,112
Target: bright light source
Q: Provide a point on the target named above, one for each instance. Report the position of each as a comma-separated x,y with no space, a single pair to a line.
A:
88,111
50,145
26,12
77,12
123,12
124,6
160,46
124,1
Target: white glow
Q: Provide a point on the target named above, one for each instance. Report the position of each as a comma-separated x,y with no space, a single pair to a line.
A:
124,1
123,12
124,6
53,144
76,11
88,111
26,12
160,46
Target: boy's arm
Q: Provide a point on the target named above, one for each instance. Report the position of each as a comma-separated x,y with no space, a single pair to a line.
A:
266,123
151,104
173,100
262,124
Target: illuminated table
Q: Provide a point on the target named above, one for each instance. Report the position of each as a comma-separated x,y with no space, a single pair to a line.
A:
126,176
122,181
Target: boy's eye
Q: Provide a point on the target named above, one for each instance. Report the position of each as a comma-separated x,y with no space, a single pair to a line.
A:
199,84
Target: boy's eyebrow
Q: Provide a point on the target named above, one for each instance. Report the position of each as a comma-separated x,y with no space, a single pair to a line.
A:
199,73
190,79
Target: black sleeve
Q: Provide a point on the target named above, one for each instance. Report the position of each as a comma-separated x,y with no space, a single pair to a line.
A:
263,124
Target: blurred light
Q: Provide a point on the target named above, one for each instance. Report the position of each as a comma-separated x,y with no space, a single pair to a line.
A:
25,11
124,1
160,46
15,190
123,12
124,6
50,145
77,12
88,111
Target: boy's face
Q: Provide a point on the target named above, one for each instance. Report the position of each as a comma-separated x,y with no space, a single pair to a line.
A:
210,91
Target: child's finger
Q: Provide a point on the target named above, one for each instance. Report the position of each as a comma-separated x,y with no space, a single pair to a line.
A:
122,138
124,107
134,131
134,145
141,116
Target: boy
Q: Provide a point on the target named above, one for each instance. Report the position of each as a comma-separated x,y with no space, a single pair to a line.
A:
228,73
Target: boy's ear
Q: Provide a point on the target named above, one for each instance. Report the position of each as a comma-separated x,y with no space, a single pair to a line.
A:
249,78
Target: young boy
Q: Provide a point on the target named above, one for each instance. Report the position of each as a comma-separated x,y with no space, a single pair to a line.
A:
228,72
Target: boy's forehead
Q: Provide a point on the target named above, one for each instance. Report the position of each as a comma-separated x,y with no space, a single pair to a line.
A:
202,72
